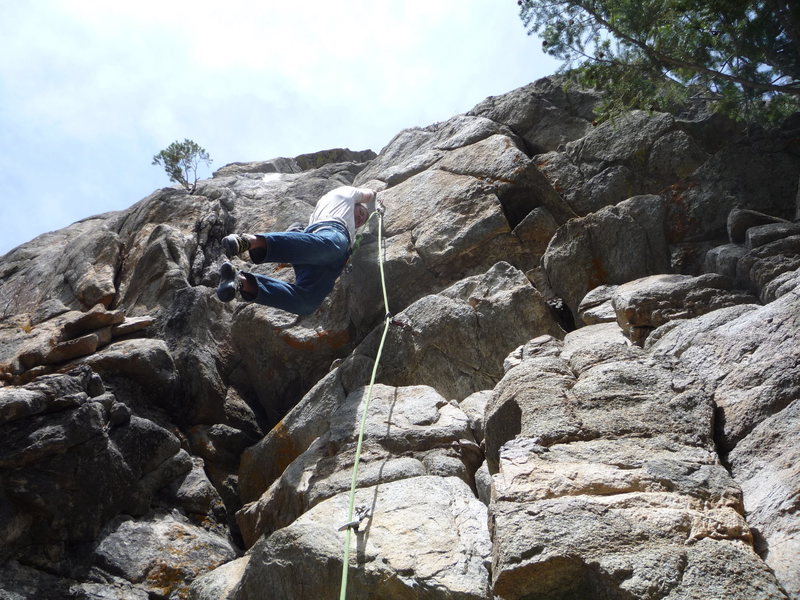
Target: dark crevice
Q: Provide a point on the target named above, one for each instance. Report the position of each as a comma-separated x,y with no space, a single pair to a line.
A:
517,203
721,443
562,314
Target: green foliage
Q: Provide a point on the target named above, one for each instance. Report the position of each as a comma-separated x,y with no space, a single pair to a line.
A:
180,160
743,56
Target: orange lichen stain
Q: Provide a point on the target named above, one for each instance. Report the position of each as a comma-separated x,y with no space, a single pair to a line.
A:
170,579
174,578
680,223
325,338
599,273
283,451
283,447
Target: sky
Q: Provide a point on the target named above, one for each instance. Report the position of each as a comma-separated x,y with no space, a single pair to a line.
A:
91,90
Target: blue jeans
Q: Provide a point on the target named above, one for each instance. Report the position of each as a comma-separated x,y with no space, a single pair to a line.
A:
318,255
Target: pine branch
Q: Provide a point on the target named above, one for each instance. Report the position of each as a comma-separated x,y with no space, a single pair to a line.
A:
659,57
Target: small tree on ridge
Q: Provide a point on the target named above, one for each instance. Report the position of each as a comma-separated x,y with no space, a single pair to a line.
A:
180,160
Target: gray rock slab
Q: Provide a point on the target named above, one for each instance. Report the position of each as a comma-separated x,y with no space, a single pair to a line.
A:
648,546
764,234
546,113
757,172
70,463
644,304
450,341
749,356
408,432
615,245
767,465
220,584
741,220
608,437
776,261
132,325
596,306
425,535
144,552
724,259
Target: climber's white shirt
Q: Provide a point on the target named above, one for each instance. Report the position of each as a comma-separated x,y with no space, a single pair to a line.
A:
339,205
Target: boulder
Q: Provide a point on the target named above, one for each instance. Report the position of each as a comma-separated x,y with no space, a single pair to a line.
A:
424,533
596,306
644,304
75,323
674,156
414,150
70,465
442,339
615,245
764,234
129,326
770,270
474,406
638,153
544,345
147,362
142,551
537,229
82,346
409,432
221,583
438,242
741,220
284,358
521,186
545,114
724,259
757,172
593,343
194,493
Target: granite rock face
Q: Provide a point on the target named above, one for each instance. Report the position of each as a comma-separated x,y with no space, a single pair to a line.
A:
589,385
753,365
614,466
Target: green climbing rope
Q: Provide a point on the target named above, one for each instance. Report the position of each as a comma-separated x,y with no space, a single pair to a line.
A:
350,510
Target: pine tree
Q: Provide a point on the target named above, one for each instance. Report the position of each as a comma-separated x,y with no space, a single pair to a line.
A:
741,55
180,160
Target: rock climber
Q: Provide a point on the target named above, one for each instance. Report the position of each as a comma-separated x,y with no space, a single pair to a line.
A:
318,254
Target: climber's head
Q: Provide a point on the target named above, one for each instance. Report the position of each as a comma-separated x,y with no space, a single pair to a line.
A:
361,214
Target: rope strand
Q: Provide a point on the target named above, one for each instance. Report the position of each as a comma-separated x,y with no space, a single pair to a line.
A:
351,506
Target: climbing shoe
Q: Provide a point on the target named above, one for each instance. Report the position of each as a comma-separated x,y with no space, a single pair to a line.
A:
228,282
234,244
